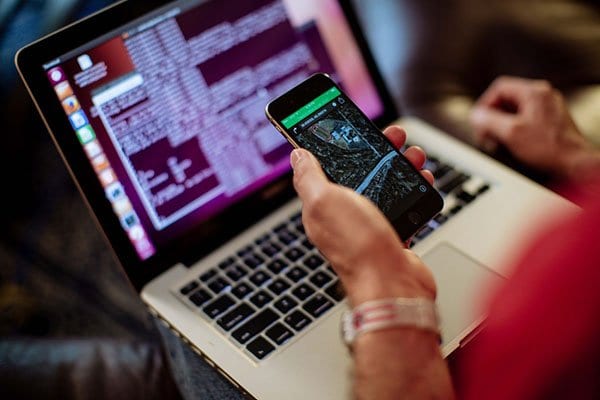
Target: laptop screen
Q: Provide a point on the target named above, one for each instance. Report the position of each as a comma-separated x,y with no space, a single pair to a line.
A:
169,109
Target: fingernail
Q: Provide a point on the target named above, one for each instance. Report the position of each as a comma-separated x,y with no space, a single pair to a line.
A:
296,157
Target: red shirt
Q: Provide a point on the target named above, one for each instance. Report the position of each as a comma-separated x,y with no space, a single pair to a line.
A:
542,339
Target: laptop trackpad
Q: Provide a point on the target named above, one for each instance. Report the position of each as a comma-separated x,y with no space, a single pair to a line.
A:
461,283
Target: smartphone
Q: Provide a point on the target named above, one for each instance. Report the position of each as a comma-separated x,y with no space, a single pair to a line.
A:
318,116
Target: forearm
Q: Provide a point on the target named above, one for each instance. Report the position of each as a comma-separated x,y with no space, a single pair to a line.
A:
583,165
400,363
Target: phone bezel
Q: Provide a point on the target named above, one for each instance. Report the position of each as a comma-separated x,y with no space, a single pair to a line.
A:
406,223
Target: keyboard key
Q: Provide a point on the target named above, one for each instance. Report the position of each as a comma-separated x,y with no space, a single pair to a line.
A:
307,244
219,306
188,288
297,320
302,291
242,290
277,265
424,231
317,305
200,297
320,279
454,182
483,189
296,273
440,219
253,260
331,270
235,316
261,298
286,237
455,209
279,333
279,286
254,326
464,196
270,249
280,228
442,170
294,253
433,159
208,275
313,261
245,251
296,218
263,239
285,304
236,273
218,285
300,228
260,347
432,163
260,277
226,263
336,291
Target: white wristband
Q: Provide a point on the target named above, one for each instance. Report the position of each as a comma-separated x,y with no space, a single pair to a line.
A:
386,313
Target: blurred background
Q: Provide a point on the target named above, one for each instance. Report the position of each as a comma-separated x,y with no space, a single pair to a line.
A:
439,56
60,286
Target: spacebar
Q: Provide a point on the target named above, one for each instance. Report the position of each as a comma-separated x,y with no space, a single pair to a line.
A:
255,326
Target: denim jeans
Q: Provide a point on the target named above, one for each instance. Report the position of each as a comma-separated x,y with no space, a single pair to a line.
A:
193,376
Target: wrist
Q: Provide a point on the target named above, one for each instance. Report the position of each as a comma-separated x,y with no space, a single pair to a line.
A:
389,313
380,285
581,163
397,276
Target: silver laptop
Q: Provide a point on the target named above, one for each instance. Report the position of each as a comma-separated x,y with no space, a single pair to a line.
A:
157,110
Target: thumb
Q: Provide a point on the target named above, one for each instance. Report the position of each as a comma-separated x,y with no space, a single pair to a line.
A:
489,122
309,178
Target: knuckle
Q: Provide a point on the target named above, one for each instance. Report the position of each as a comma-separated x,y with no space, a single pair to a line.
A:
557,97
315,204
515,130
501,80
543,88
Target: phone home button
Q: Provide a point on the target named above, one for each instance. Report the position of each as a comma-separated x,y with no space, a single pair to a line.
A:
414,217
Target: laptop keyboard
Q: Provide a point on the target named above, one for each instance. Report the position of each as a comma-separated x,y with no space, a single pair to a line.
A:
272,289
457,188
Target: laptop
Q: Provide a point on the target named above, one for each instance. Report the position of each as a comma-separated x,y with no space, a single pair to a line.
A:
156,108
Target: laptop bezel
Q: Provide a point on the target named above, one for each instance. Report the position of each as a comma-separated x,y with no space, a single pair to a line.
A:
208,235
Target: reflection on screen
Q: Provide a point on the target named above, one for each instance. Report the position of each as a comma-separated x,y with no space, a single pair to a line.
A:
170,111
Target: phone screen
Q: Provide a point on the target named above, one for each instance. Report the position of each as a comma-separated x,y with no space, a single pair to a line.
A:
354,153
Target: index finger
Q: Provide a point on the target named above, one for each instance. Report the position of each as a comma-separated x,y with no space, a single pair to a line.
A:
396,135
309,178
505,88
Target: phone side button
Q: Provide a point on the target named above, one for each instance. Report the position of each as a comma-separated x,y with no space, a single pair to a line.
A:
414,217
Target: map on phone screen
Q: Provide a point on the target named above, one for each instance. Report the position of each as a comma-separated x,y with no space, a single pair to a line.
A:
354,153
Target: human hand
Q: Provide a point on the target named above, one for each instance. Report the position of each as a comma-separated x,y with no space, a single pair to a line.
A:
354,235
531,119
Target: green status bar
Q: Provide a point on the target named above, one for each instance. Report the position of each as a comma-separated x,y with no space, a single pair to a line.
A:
311,107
